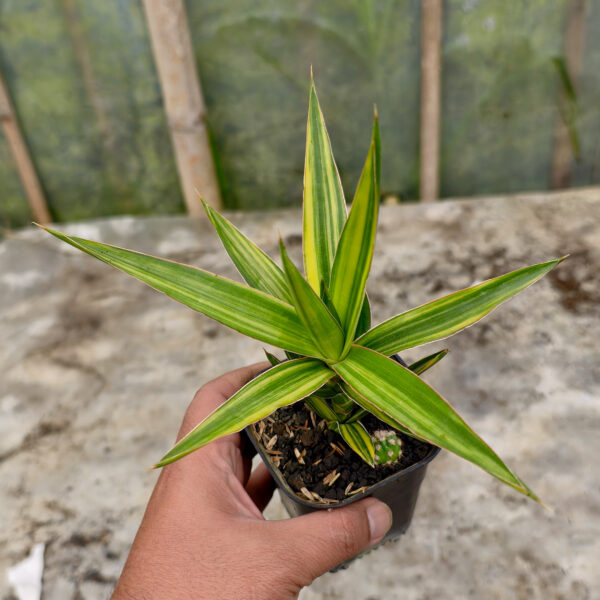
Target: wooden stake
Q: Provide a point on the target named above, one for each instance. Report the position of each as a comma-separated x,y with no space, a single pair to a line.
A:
431,42
25,168
184,103
573,51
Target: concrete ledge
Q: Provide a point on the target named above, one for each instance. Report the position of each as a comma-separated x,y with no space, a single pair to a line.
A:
96,370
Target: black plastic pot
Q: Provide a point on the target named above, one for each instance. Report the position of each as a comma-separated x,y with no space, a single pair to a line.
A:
399,491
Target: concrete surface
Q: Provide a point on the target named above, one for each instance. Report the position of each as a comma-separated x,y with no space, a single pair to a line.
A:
96,370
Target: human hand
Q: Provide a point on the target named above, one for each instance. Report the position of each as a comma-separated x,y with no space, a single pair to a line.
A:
203,535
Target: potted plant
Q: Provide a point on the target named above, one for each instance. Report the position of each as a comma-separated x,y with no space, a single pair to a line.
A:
368,424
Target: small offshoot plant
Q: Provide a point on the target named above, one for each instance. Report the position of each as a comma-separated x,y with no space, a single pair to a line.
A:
335,361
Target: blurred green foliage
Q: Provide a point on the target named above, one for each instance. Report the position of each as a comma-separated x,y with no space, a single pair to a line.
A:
254,60
587,170
97,131
92,120
500,92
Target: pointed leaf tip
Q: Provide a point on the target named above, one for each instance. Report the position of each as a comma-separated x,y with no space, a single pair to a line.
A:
452,313
279,386
384,386
271,358
324,207
254,265
251,312
355,249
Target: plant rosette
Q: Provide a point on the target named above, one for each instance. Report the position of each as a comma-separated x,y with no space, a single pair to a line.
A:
357,397
315,469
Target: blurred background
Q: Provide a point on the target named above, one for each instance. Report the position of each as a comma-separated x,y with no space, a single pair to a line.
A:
124,107
137,107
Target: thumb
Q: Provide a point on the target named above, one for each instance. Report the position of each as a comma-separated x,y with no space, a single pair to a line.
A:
336,535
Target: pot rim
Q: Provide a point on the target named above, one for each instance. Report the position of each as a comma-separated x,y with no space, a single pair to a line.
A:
283,485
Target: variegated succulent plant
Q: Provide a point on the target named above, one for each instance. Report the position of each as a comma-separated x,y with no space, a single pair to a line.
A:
335,361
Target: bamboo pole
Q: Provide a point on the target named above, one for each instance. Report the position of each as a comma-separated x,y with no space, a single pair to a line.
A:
573,51
25,168
431,41
184,103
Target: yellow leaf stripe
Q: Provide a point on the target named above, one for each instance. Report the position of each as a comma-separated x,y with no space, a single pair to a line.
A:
257,269
249,311
445,316
324,204
398,392
358,438
355,250
284,384
326,333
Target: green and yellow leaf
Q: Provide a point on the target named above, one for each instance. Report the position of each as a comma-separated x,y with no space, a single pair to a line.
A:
324,294
355,250
427,362
319,322
343,406
284,384
364,318
374,410
358,438
272,358
324,205
418,367
329,390
257,269
384,385
320,407
249,311
445,316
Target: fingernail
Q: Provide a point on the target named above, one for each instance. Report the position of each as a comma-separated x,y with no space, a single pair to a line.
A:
380,520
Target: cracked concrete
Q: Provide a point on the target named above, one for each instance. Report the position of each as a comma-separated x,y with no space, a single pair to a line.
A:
96,371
